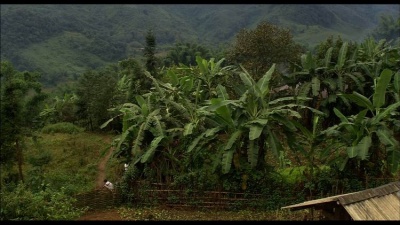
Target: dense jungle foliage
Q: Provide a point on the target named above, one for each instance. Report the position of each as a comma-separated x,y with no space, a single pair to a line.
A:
290,128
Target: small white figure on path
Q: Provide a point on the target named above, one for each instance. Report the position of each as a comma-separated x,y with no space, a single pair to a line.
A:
108,185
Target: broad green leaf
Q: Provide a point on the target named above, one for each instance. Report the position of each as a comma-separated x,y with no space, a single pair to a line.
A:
393,160
303,130
284,120
352,151
124,134
246,78
261,122
363,147
216,103
188,129
222,110
290,98
385,113
315,82
187,83
232,139
211,132
263,83
148,155
360,116
202,64
137,142
378,99
173,77
304,89
344,120
359,99
255,132
227,160
222,94
195,142
386,137
342,56
328,56
140,100
308,61
274,143
108,121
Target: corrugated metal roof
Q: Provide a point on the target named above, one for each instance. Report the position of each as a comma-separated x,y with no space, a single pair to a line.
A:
381,203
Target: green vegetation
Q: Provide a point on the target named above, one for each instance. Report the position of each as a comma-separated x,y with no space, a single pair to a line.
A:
62,127
328,125
62,41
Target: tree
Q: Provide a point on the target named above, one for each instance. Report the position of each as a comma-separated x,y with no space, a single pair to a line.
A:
95,91
149,53
20,97
186,54
258,49
135,76
388,28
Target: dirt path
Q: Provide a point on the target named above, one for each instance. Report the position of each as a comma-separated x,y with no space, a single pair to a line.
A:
101,174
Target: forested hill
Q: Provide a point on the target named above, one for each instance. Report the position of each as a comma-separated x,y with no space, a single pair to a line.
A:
65,39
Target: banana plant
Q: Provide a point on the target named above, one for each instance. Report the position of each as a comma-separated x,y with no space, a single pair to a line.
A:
249,122
209,73
323,81
365,133
139,121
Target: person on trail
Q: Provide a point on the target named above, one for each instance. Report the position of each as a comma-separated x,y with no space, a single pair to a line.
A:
126,166
108,185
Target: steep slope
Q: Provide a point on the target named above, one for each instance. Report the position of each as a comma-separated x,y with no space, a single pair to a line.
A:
64,40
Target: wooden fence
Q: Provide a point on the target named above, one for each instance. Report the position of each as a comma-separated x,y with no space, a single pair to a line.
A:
162,194
158,194
98,199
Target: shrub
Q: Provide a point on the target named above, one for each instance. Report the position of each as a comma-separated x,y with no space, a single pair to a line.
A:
63,127
23,204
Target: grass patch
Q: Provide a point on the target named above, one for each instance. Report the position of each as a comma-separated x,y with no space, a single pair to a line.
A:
74,159
63,127
293,175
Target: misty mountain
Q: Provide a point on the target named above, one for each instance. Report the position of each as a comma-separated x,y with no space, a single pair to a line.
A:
60,39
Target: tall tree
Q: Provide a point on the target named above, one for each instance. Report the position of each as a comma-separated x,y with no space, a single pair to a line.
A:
95,91
186,54
258,49
134,74
149,53
20,93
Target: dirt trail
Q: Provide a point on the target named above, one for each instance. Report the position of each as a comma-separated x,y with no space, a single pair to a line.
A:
101,174
102,169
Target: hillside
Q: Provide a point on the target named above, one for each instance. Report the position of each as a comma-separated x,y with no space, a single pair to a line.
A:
62,41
